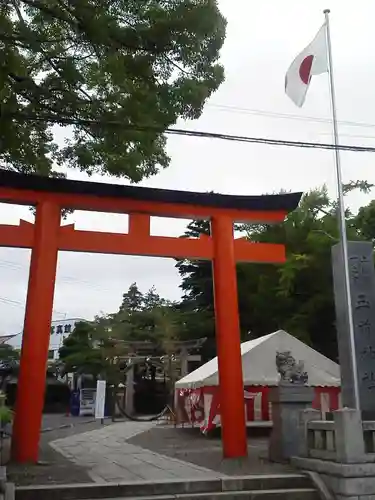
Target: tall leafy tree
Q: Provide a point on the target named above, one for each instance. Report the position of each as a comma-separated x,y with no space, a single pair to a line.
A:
364,222
297,296
132,300
95,347
91,349
197,305
79,353
140,316
8,354
152,299
116,72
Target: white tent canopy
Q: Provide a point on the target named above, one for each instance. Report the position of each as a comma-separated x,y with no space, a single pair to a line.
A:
259,368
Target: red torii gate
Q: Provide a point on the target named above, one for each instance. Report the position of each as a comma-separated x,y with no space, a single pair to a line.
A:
46,237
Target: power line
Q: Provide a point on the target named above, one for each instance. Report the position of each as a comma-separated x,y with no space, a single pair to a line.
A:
12,302
17,303
271,142
7,264
286,116
352,135
193,133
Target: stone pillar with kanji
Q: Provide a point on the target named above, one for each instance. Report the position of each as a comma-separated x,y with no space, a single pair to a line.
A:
362,285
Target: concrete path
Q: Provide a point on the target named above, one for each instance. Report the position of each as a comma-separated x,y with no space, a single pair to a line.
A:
108,457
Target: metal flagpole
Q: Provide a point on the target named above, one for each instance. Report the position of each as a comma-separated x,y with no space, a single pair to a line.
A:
341,214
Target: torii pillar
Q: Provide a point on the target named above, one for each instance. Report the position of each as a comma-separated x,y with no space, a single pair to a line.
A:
36,333
228,339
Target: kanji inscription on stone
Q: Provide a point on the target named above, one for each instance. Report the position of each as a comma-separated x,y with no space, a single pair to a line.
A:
362,284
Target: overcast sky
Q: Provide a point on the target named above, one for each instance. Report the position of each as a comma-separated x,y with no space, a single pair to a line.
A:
262,40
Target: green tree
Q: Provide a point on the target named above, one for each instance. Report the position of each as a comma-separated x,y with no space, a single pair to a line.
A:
92,349
197,305
152,300
133,321
8,354
139,316
79,352
132,300
297,296
117,73
364,222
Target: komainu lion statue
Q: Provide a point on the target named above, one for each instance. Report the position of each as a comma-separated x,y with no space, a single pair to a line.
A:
290,371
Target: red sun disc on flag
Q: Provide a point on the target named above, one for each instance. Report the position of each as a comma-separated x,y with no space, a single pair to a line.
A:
305,69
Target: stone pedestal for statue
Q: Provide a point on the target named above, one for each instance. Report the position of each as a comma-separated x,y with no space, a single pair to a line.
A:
287,400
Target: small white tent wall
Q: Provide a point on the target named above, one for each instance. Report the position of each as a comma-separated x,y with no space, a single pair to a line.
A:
259,368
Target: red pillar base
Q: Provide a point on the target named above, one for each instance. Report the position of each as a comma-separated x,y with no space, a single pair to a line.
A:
228,339
36,335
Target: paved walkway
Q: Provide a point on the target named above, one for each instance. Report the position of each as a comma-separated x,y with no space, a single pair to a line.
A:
109,457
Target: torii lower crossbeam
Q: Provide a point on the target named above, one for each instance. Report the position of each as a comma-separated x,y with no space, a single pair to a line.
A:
46,237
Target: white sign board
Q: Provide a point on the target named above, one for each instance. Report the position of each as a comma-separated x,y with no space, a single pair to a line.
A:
100,399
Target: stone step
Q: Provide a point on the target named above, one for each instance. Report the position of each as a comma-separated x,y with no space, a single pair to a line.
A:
284,494
209,488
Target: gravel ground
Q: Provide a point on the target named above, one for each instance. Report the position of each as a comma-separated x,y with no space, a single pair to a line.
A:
54,468
189,445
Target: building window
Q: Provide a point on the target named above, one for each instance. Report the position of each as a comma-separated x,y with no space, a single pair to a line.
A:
59,329
51,354
67,328
52,330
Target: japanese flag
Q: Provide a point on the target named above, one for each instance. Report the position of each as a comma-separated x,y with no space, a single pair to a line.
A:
311,61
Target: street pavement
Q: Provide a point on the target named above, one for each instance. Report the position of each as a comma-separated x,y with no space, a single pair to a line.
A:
107,456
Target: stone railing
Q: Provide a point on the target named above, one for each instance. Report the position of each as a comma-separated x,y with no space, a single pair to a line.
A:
321,439
339,453
369,437
345,439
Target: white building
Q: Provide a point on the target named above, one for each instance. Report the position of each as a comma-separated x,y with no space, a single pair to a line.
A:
59,331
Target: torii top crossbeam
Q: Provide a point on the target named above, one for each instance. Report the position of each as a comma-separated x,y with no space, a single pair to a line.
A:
140,204
102,197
